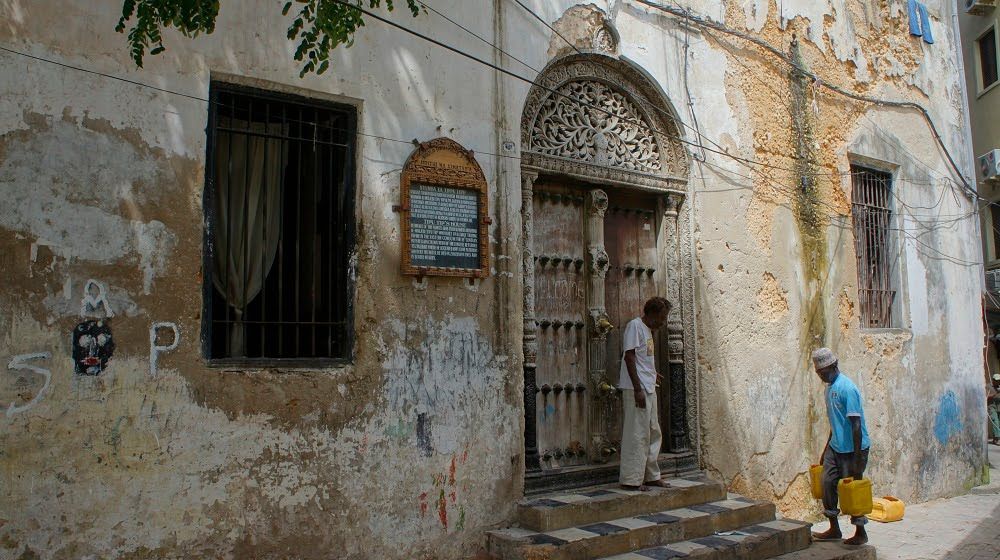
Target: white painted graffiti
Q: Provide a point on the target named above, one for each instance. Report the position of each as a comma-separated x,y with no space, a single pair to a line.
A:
18,363
156,349
95,301
21,362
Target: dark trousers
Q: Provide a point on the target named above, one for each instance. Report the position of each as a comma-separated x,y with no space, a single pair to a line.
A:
835,467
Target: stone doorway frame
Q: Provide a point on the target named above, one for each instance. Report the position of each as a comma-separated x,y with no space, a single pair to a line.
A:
665,175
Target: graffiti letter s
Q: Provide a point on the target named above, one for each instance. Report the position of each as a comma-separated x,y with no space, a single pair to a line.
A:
18,363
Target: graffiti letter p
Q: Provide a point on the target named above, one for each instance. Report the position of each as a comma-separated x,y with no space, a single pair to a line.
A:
156,349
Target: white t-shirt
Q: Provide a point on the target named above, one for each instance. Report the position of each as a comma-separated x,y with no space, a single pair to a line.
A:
638,337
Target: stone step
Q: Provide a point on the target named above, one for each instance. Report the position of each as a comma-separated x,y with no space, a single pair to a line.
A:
753,542
600,503
831,551
547,481
625,534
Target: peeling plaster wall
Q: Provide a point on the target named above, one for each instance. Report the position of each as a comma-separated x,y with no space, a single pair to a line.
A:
756,299
416,448
922,382
410,452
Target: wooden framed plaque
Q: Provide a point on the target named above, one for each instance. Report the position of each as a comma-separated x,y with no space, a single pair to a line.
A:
444,212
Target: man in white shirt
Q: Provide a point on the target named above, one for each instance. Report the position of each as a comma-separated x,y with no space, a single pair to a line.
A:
641,435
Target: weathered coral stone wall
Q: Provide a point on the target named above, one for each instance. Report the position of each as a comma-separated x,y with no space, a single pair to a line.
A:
409,452
416,447
777,268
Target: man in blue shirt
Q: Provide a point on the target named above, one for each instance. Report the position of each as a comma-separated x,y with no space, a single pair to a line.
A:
846,452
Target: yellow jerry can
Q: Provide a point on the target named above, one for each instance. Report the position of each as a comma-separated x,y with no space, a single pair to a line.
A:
816,481
855,496
886,509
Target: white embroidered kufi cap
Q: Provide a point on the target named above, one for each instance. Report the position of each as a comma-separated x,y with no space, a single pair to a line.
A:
823,357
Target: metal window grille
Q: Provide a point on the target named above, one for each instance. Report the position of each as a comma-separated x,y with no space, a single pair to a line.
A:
872,217
279,205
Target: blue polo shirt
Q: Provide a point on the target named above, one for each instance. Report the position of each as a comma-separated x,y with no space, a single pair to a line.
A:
843,400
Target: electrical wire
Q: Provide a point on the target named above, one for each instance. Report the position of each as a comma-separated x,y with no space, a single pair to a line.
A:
546,24
781,188
126,80
789,190
204,100
480,37
686,14
448,47
697,132
836,215
898,199
687,89
720,151
778,97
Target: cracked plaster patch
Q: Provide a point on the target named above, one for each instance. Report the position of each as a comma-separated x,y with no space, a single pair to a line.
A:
772,300
66,185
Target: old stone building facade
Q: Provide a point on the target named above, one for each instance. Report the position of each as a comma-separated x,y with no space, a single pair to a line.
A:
977,25
212,350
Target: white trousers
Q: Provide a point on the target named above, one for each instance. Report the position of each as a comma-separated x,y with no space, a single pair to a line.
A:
641,440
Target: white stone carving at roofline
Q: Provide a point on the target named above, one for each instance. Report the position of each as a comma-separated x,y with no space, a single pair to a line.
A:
605,39
590,121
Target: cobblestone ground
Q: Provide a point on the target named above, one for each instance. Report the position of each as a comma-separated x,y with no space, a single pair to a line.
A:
962,528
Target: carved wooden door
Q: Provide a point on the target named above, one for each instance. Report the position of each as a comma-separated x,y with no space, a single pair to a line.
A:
562,403
595,266
630,239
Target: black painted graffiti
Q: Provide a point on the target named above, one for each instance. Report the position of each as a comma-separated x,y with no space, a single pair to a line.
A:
93,346
424,435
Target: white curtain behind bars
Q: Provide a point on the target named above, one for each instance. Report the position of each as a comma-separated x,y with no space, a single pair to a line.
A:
247,227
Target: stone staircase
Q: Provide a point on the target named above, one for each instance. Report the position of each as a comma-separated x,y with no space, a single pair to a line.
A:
694,518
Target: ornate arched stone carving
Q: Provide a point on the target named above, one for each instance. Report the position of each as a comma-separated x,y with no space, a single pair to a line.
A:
621,130
590,121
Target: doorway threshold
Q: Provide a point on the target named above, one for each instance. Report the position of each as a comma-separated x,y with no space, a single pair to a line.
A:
567,478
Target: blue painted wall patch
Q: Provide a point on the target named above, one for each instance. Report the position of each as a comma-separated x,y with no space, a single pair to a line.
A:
948,421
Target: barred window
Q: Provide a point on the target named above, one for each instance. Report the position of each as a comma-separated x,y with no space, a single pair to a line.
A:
279,205
872,216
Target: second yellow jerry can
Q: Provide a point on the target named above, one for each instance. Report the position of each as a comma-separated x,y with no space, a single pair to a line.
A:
855,496
887,509
816,481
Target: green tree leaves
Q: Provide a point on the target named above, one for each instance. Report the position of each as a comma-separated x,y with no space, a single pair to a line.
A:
322,25
319,25
190,17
